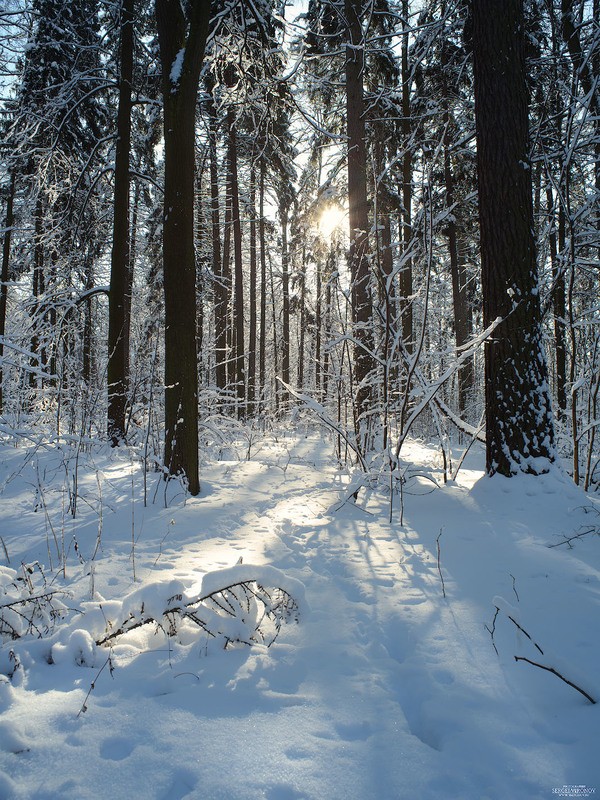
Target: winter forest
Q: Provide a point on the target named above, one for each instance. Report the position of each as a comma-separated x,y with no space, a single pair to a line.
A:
299,322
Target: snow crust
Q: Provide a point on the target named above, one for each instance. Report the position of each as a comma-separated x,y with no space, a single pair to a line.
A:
386,690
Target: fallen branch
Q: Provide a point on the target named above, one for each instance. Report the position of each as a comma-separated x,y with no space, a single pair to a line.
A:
558,675
545,667
568,539
514,622
242,612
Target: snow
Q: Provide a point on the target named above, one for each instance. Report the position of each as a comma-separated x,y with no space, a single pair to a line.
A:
382,689
176,68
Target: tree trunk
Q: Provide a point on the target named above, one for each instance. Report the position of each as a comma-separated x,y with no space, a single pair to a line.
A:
406,276
262,239
252,330
37,359
519,428
220,293
120,283
302,325
458,269
358,255
239,353
87,348
226,301
559,305
285,302
9,219
181,53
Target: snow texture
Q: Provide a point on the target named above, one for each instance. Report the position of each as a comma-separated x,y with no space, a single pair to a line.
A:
386,690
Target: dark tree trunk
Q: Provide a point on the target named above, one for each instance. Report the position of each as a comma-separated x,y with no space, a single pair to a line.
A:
262,239
87,354
559,305
318,330
227,289
302,326
275,336
285,301
37,360
239,353
358,213
406,272
4,274
252,330
220,292
182,45
458,272
118,303
519,419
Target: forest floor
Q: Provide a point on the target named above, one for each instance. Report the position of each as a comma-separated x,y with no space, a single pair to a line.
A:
385,689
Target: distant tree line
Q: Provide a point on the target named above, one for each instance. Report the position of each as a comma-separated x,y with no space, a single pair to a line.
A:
386,212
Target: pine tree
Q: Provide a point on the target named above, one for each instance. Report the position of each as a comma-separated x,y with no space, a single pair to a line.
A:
519,426
182,42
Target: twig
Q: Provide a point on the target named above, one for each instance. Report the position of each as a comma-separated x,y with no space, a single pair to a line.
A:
492,630
514,587
107,663
558,675
569,539
437,541
5,550
535,644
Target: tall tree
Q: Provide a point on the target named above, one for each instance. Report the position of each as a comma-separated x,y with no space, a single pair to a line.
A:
182,40
120,281
358,213
519,427
6,239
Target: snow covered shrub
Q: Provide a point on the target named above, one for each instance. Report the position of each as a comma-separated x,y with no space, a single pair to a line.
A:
80,649
245,604
28,606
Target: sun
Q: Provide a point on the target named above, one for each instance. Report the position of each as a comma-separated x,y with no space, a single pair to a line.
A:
331,218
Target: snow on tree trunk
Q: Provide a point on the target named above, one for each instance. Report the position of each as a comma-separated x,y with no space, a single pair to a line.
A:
517,401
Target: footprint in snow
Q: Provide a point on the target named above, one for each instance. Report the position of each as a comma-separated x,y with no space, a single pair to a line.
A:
183,786
354,731
116,748
12,739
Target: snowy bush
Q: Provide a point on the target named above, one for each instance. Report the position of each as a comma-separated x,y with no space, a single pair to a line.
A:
244,604
28,605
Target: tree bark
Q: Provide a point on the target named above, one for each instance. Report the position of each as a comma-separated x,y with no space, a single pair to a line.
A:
9,220
182,43
239,353
262,241
458,269
358,212
220,293
285,301
406,273
519,429
252,329
120,283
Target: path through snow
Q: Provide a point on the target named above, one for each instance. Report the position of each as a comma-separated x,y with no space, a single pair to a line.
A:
385,689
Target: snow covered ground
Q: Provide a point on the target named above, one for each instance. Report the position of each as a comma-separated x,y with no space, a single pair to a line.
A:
384,689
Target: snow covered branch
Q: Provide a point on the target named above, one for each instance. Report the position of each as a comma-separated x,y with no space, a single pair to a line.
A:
244,604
